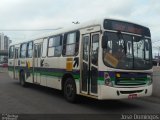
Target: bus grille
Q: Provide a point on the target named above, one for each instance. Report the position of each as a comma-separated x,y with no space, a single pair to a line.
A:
130,80
131,92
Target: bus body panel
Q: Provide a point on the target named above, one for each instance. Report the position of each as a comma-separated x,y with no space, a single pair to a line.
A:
11,68
16,62
49,70
111,92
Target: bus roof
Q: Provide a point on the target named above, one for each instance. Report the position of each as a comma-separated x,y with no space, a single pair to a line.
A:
74,27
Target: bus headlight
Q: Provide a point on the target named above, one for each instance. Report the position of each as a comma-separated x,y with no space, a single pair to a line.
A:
118,75
107,80
149,78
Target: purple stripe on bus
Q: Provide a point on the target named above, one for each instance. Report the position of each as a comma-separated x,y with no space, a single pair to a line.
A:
111,74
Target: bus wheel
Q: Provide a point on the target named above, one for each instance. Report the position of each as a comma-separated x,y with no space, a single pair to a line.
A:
70,90
22,79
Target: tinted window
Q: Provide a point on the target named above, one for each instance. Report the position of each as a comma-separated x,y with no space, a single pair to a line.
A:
85,48
126,27
55,47
16,53
37,51
11,52
71,44
23,50
44,52
95,47
30,49
127,51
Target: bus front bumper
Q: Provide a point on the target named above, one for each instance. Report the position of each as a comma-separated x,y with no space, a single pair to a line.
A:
123,93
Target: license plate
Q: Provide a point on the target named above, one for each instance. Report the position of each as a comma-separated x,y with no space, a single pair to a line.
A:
132,96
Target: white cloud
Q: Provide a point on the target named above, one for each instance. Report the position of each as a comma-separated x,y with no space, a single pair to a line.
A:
38,14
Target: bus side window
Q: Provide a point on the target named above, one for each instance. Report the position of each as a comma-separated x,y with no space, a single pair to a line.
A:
23,50
44,47
39,51
55,46
146,49
30,49
71,44
11,52
16,53
35,51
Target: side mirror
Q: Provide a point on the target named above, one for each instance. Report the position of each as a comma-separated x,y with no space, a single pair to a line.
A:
104,41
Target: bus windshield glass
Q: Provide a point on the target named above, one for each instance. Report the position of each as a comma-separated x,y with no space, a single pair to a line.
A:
127,51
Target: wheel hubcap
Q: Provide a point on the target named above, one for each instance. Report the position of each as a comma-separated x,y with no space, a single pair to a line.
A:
69,90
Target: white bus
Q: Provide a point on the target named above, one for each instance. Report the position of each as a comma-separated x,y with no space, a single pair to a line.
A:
103,59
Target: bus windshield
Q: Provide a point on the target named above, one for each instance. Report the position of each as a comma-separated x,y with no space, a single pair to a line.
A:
127,51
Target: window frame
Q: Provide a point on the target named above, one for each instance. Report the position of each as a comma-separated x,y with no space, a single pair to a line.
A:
133,67
12,53
16,53
76,51
92,51
84,43
39,50
61,39
23,50
27,49
46,51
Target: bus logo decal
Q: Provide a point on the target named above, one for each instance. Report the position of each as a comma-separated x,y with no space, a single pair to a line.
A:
76,62
42,62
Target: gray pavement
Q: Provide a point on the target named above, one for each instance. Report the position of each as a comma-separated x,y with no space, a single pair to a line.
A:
156,81
152,99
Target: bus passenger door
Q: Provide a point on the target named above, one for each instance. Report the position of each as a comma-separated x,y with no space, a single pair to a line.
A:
10,62
94,50
89,71
37,59
85,72
16,64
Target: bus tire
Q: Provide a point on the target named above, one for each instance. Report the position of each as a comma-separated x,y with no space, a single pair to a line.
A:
22,79
70,90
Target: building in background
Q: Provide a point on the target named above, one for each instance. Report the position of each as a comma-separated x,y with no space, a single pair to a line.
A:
4,44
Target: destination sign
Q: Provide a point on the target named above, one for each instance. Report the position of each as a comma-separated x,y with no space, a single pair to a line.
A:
126,27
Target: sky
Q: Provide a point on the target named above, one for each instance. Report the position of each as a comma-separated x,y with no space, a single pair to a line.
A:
52,14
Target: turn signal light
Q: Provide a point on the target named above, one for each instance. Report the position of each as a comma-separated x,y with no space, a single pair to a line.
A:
118,75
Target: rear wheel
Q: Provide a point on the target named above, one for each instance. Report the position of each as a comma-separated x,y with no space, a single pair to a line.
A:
70,90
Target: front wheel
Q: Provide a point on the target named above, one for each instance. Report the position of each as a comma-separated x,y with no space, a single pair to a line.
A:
70,90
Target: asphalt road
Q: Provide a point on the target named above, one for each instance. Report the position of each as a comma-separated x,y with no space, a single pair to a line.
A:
40,100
